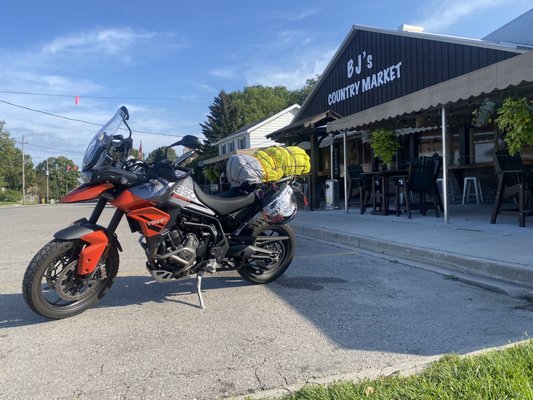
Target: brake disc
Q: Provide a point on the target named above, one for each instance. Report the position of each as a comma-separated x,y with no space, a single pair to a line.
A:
69,287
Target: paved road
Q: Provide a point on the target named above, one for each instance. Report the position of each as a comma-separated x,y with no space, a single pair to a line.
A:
336,311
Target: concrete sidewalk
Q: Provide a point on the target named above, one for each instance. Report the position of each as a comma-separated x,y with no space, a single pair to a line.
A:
469,245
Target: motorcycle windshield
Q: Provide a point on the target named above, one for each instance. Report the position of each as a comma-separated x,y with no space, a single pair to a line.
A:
101,140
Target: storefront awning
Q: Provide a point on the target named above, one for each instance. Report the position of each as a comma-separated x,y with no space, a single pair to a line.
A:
499,76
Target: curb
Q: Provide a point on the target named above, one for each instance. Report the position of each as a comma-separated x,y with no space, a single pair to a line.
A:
403,369
485,268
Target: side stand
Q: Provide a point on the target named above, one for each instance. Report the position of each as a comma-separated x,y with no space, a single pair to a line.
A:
199,276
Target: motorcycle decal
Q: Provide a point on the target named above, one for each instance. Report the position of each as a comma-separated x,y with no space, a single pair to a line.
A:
83,193
151,219
176,196
128,201
91,254
185,194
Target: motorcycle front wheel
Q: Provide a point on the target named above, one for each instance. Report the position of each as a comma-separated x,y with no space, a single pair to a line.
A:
52,287
268,270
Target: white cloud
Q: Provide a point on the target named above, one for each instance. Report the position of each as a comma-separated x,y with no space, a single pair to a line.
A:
292,72
224,73
50,70
293,38
294,16
105,41
303,14
440,14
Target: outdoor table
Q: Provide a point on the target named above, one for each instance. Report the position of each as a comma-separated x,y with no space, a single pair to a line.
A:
380,191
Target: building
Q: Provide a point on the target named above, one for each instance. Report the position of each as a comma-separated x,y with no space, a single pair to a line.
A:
252,136
413,83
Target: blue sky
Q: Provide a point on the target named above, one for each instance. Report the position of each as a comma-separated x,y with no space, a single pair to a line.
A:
166,60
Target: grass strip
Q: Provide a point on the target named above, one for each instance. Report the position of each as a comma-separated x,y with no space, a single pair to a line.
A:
498,374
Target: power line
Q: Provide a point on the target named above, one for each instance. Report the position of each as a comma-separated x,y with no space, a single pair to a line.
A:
49,148
81,120
106,97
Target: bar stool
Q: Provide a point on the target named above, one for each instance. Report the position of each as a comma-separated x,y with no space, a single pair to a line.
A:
451,189
468,182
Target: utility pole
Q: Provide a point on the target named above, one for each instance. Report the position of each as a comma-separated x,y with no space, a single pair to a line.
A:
23,175
47,183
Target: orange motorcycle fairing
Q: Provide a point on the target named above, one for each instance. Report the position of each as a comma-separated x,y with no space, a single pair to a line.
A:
151,220
86,192
127,201
91,254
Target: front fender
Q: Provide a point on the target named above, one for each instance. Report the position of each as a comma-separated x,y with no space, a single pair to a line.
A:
81,228
77,230
97,239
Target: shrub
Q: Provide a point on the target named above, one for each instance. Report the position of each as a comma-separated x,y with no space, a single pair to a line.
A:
10,195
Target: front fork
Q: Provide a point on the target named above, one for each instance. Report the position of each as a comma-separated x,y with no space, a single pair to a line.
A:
98,238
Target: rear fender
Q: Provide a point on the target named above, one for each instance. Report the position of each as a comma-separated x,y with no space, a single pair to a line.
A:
97,239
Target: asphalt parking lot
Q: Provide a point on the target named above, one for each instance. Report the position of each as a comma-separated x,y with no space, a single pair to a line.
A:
335,312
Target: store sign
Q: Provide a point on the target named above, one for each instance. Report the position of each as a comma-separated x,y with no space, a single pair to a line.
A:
354,69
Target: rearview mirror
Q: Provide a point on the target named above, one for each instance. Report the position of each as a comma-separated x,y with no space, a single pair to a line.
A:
190,141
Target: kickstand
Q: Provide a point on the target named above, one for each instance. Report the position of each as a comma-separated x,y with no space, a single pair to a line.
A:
199,288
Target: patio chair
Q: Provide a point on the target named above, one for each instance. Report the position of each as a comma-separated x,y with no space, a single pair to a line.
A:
422,180
437,160
359,185
512,182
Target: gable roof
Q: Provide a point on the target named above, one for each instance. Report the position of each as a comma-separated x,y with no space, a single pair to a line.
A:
302,126
474,43
258,124
518,31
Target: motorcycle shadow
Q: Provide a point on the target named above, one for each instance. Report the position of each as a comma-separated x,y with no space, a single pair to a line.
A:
143,289
126,290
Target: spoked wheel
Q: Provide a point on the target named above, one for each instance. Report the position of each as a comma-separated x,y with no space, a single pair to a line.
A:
52,287
264,270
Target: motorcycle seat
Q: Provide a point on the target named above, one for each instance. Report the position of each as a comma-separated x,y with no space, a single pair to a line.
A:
223,206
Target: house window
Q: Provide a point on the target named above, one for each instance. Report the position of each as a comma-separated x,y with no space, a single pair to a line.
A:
242,143
224,150
231,146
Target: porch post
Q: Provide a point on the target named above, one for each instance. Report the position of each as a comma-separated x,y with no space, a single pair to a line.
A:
331,145
346,194
315,202
444,164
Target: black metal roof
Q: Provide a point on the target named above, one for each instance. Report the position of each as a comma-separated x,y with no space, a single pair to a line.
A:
518,31
400,63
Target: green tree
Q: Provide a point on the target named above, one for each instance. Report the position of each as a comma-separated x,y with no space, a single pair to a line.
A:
230,112
223,119
159,154
11,163
298,96
63,176
256,103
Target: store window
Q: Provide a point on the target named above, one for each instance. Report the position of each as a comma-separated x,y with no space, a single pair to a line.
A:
483,149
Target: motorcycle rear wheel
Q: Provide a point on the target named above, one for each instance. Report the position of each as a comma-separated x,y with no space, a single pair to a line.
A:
259,271
52,288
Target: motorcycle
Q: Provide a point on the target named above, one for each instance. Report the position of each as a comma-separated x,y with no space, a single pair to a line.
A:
183,230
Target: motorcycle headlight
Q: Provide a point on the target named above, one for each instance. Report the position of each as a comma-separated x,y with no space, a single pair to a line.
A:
86,176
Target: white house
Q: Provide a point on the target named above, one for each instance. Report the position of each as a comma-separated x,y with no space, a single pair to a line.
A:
254,135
